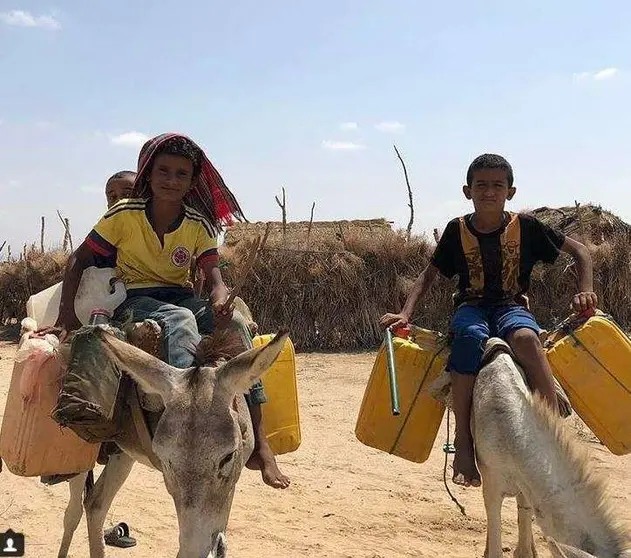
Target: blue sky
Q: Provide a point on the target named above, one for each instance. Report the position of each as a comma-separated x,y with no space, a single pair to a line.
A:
312,95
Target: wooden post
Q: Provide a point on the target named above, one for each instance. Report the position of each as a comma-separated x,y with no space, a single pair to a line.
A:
42,235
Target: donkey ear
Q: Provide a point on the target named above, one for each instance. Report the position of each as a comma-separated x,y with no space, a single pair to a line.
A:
565,551
152,374
239,373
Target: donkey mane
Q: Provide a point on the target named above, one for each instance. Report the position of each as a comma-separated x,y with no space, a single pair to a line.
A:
588,483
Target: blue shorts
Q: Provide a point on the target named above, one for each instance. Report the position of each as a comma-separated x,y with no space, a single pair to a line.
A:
472,326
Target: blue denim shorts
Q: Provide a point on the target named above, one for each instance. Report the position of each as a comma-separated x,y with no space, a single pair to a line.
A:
472,326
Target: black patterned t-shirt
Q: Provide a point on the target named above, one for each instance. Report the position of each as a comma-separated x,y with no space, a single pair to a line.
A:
495,267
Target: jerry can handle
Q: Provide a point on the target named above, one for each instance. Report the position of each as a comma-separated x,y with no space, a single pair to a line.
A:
586,314
392,374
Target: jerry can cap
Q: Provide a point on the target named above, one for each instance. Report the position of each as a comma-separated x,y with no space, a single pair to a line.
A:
402,332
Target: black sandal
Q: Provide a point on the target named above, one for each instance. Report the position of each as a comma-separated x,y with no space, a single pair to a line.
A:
119,536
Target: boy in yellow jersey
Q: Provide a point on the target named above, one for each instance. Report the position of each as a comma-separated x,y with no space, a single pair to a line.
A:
119,187
493,253
178,206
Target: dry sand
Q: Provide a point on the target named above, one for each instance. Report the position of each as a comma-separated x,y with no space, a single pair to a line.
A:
346,500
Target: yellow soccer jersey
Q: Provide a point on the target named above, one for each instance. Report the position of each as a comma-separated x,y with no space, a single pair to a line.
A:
125,232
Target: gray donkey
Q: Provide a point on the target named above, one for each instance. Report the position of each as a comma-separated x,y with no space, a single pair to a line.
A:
202,440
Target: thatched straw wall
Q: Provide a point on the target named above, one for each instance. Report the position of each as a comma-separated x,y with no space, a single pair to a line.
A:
305,234
332,294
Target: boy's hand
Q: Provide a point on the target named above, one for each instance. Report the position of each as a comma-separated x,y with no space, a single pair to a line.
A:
584,301
394,320
63,327
222,315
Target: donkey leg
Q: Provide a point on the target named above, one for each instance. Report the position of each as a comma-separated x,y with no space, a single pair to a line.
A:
99,499
525,541
493,505
73,513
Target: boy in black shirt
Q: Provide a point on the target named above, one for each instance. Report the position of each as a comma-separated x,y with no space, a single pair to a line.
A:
493,253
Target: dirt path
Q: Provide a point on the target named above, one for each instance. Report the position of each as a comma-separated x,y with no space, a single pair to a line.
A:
346,500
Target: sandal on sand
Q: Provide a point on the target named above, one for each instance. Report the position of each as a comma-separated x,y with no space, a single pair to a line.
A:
119,536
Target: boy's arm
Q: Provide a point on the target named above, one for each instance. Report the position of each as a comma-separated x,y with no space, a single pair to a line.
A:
67,320
585,298
219,292
442,261
420,288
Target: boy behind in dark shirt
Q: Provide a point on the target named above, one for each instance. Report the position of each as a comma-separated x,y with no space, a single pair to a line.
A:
493,253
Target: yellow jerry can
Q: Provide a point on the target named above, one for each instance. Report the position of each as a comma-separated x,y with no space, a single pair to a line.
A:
281,417
418,361
591,358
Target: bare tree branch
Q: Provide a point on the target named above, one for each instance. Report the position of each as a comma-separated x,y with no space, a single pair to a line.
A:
283,207
67,235
2,245
411,202
310,224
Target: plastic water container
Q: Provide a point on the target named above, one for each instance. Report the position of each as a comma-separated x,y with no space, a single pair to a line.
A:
99,288
281,415
420,356
31,442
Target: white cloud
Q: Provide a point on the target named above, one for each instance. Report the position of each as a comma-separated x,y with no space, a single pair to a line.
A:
20,18
348,126
130,139
9,185
600,75
342,145
607,73
390,127
43,125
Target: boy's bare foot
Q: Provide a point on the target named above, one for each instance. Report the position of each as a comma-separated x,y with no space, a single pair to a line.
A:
465,471
263,459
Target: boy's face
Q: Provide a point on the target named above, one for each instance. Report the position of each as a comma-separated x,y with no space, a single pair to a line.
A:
489,190
118,189
171,177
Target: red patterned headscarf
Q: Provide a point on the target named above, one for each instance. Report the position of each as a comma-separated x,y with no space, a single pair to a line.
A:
210,195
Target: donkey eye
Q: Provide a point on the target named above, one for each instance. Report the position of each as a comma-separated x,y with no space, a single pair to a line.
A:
226,460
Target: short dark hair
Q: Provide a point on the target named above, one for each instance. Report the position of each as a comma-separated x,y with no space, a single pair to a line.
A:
490,161
122,174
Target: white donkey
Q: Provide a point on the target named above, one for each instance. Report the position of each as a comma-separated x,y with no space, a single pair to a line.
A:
523,450
202,441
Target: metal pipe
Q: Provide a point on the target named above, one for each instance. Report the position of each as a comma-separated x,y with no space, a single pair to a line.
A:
392,374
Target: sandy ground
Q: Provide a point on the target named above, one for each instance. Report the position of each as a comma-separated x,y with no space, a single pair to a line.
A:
346,500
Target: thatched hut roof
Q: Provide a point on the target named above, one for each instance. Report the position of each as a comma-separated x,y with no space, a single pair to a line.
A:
296,232
588,223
